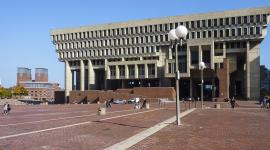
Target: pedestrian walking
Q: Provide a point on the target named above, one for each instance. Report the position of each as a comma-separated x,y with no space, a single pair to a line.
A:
264,102
232,101
144,104
8,108
5,108
108,103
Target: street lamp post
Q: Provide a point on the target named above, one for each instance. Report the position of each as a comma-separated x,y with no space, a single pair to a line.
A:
201,67
176,37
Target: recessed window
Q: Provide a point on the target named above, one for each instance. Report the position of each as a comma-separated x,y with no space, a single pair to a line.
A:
198,35
209,34
215,22
203,23
264,18
198,24
233,20
187,24
233,32
221,33
193,35
204,34
227,32
251,30
239,31
239,21
245,19
215,33
221,22
258,30
227,21
251,19
258,18
245,31
209,23
194,57
192,24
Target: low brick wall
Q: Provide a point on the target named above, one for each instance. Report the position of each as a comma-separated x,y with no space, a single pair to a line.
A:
156,92
129,91
92,96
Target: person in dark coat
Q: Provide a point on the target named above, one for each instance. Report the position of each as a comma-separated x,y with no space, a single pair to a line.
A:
144,104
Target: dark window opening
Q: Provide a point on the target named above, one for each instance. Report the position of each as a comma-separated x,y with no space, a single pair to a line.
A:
239,20
194,57
206,56
221,22
215,22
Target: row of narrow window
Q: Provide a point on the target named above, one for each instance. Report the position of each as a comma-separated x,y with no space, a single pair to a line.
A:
131,70
162,27
160,38
108,52
112,42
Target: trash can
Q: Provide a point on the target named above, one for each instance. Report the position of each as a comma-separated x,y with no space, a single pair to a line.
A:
101,111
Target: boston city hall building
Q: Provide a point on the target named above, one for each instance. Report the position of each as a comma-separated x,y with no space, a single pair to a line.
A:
139,54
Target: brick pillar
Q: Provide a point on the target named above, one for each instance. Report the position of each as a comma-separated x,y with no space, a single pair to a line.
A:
224,79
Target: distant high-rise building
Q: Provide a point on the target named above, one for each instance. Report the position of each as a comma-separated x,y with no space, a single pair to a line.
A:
39,88
23,75
41,75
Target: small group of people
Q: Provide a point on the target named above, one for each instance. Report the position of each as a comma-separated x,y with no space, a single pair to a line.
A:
109,103
7,108
265,102
137,104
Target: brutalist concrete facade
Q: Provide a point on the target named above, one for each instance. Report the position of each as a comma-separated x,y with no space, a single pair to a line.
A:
138,54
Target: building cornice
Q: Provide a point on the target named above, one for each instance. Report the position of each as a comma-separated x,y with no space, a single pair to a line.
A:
172,19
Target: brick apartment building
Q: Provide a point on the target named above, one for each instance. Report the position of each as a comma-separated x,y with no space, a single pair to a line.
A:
40,88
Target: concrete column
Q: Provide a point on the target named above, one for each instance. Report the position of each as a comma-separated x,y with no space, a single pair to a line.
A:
170,52
188,60
212,53
156,73
166,66
200,54
224,49
107,70
247,71
68,79
136,71
126,72
117,72
91,75
253,70
190,87
82,75
108,73
146,70
155,49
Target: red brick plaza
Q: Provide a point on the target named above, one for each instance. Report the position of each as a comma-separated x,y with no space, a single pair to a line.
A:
75,127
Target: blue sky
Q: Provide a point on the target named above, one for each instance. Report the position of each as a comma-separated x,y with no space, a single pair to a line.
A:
25,26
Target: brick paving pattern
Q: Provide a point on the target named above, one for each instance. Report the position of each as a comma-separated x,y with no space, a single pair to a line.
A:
242,128
212,129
